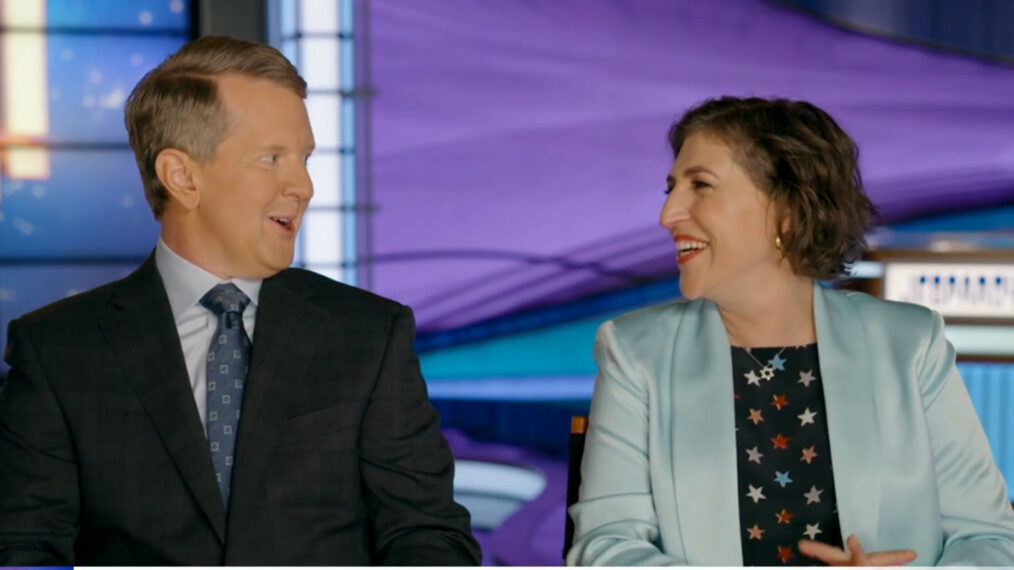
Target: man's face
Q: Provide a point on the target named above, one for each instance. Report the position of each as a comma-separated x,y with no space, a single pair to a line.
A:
255,187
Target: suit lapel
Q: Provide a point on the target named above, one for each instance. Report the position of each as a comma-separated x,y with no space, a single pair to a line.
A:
285,339
852,421
142,335
704,446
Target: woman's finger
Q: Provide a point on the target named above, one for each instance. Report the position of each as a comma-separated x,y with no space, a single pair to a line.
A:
824,552
855,556
890,558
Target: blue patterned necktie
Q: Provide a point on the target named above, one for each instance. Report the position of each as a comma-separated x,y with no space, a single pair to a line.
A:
228,362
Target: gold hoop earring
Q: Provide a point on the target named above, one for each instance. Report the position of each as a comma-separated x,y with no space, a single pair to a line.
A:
779,248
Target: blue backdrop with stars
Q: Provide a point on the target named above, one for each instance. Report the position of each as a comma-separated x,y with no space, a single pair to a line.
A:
87,222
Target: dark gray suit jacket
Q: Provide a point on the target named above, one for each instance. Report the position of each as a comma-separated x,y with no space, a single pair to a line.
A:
339,458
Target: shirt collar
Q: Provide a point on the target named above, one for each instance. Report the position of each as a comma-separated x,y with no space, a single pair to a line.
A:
185,283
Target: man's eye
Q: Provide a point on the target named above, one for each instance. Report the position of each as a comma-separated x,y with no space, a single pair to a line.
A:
269,158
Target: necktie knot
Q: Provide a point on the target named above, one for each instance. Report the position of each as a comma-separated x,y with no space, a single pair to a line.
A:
225,298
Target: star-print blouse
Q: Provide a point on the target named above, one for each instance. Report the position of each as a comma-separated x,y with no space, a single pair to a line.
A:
786,486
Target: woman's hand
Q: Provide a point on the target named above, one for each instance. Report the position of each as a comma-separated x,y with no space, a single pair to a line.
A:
855,556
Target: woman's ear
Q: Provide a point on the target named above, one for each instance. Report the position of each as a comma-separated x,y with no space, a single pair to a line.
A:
175,170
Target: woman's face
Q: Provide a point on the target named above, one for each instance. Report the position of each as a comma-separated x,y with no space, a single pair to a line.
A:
723,225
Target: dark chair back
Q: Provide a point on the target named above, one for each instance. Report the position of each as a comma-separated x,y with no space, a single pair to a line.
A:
578,427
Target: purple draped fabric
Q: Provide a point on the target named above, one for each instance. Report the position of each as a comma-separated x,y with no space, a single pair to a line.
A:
519,145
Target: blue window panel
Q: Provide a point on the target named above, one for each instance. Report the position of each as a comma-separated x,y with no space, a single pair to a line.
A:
90,78
91,206
142,15
991,386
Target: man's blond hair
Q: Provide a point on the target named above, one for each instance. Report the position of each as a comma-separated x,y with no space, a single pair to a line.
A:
176,105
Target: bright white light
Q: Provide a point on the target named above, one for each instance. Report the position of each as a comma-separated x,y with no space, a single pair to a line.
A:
326,120
114,99
26,100
24,14
325,171
29,163
319,64
322,232
318,16
145,18
176,6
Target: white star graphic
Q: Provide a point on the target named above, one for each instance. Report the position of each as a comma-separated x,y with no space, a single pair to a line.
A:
752,378
756,493
806,417
813,495
812,530
754,455
767,372
806,377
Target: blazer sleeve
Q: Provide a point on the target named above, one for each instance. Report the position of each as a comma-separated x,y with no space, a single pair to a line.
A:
38,470
407,468
976,517
615,523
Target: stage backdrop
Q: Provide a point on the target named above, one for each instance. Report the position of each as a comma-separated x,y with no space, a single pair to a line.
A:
519,151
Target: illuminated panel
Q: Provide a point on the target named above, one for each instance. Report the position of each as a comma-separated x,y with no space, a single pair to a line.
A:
317,36
26,93
962,290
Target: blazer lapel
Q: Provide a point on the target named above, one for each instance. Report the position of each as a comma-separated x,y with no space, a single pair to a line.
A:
852,422
142,335
704,440
285,339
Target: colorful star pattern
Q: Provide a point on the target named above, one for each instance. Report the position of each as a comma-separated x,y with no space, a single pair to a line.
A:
779,401
780,442
808,454
783,457
806,417
754,455
784,516
782,478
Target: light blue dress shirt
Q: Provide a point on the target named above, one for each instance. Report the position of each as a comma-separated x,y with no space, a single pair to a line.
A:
185,284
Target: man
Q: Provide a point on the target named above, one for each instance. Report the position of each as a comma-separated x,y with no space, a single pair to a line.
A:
215,407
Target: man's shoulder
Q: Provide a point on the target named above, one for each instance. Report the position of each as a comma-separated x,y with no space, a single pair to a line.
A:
79,306
338,297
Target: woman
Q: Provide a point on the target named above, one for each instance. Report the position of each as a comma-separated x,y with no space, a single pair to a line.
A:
766,419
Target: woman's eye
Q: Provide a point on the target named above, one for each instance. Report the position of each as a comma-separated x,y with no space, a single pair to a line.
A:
270,158
700,185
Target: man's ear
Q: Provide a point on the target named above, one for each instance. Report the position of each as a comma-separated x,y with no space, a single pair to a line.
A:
176,170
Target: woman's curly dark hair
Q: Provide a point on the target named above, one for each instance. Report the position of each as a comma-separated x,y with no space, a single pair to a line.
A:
806,163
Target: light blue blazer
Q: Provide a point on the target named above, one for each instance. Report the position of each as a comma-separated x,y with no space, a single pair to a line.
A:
912,467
